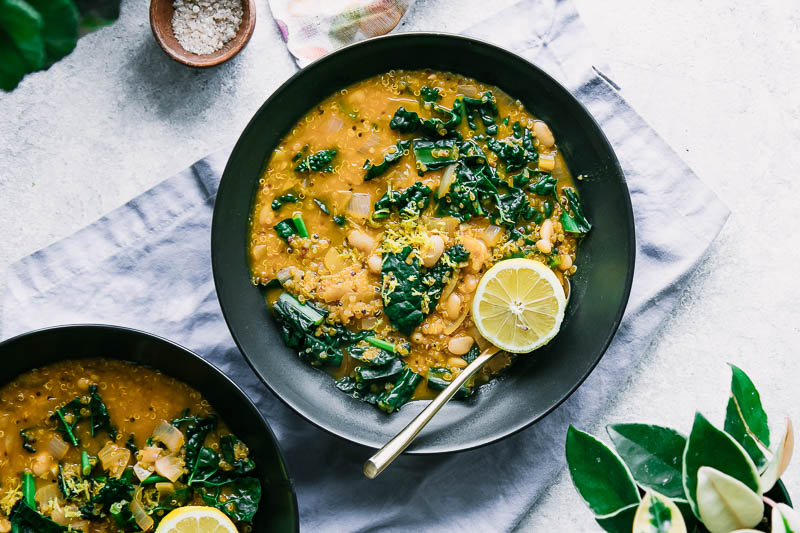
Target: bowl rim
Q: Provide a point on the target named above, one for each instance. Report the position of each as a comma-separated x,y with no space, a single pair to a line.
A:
246,28
628,208
209,366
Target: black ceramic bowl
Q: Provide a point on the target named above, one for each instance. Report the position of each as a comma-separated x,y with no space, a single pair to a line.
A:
539,382
278,509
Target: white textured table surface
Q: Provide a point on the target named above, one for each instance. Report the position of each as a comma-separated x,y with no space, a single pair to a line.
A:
719,80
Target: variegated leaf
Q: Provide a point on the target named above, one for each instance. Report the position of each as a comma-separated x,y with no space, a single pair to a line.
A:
658,514
780,460
619,521
725,503
785,519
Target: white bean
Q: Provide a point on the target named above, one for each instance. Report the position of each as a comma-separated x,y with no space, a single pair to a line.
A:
417,338
547,232
469,284
544,246
42,463
435,251
266,215
566,262
453,305
456,362
374,263
543,133
361,241
478,253
460,345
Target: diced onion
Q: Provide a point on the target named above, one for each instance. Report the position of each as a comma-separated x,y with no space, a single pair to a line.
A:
547,162
333,261
449,288
334,124
57,448
164,488
170,467
284,274
491,235
467,90
169,435
444,224
141,471
368,322
47,493
360,205
149,454
448,177
114,459
141,517
371,141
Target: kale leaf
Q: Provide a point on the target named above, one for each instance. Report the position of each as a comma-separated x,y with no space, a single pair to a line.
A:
302,327
438,276
516,151
410,202
429,94
284,199
227,445
370,374
485,107
432,155
545,185
98,414
372,355
390,158
317,162
241,499
576,222
25,519
285,229
405,121
196,430
359,390
439,378
27,440
402,290
401,392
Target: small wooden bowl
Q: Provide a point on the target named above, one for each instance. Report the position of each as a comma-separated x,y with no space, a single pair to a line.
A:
161,23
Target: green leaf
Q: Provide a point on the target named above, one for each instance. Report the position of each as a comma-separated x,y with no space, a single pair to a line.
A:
749,403
60,29
658,514
780,459
686,511
708,446
599,475
620,521
653,453
725,503
12,66
736,428
23,25
785,519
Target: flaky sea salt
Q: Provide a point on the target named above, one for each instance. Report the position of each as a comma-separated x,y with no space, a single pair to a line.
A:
204,26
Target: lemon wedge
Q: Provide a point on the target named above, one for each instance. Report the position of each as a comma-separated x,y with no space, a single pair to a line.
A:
196,519
519,305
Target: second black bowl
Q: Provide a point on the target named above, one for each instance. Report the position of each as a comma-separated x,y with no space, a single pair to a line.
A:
278,509
539,382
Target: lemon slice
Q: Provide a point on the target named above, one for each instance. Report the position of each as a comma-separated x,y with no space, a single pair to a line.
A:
196,519
519,305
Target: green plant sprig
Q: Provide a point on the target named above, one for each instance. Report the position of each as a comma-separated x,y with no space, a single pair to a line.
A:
656,480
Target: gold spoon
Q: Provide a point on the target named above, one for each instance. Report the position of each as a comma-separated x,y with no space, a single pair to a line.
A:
392,449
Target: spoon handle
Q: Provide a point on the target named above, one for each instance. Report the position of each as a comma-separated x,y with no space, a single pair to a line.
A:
383,458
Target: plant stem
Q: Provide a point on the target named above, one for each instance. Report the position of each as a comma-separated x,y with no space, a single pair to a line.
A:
86,465
29,489
67,427
300,225
380,343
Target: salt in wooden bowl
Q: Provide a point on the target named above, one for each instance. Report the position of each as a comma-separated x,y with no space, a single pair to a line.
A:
161,23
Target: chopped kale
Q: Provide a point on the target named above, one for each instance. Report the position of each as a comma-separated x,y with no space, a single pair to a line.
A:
432,155
359,391
98,414
316,162
372,355
131,445
402,290
113,490
471,153
284,199
405,121
410,202
515,152
484,107
576,222
545,185
389,158
70,414
439,378
227,445
240,500
512,207
340,220
472,354
401,392
285,229
429,94
196,430
25,519
322,206
370,374
302,327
